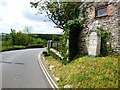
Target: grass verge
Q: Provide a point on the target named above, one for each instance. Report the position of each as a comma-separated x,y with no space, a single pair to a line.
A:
18,47
8,48
84,72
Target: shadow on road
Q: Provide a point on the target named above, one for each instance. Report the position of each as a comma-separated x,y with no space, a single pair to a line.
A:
11,62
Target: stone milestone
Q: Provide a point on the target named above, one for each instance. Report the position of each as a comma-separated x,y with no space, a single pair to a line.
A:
94,44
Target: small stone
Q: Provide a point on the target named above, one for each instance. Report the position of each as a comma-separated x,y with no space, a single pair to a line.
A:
68,86
51,67
57,79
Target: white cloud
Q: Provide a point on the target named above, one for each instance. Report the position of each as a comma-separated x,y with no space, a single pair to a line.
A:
17,14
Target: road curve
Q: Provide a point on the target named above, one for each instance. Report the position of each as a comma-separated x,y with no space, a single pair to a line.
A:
20,69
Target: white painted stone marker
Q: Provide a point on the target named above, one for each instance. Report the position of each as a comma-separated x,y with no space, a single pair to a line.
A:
94,44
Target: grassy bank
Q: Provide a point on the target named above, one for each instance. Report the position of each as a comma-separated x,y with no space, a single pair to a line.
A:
100,72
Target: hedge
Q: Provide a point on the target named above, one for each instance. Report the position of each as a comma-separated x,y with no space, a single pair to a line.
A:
8,48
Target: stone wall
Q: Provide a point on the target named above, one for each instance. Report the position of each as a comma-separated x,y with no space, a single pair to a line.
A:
118,26
111,23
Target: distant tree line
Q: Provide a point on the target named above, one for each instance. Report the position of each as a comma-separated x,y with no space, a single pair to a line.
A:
55,37
20,39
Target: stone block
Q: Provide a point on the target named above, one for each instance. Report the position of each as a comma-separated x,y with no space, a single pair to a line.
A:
94,44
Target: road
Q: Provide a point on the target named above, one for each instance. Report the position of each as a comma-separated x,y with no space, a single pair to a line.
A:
20,69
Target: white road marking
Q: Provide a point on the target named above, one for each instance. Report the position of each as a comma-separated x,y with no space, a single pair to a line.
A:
50,80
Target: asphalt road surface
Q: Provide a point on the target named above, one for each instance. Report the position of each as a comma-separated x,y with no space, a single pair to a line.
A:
20,69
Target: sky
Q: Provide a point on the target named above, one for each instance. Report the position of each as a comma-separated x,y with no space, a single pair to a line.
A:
17,14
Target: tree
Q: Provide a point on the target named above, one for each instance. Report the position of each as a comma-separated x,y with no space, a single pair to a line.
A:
19,38
22,39
59,12
27,31
13,36
68,16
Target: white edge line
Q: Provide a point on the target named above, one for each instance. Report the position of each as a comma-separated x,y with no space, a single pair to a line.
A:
46,73
51,78
47,76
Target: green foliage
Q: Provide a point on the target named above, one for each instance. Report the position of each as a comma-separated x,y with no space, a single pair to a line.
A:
55,37
106,49
13,36
84,72
70,39
65,12
35,46
38,41
75,26
65,15
21,39
6,37
58,12
42,38
15,39
7,43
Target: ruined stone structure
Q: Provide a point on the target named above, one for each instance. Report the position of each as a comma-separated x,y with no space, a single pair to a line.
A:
105,14
99,14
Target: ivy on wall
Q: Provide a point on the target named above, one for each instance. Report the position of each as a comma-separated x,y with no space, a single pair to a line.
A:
106,48
70,40
65,46
75,26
